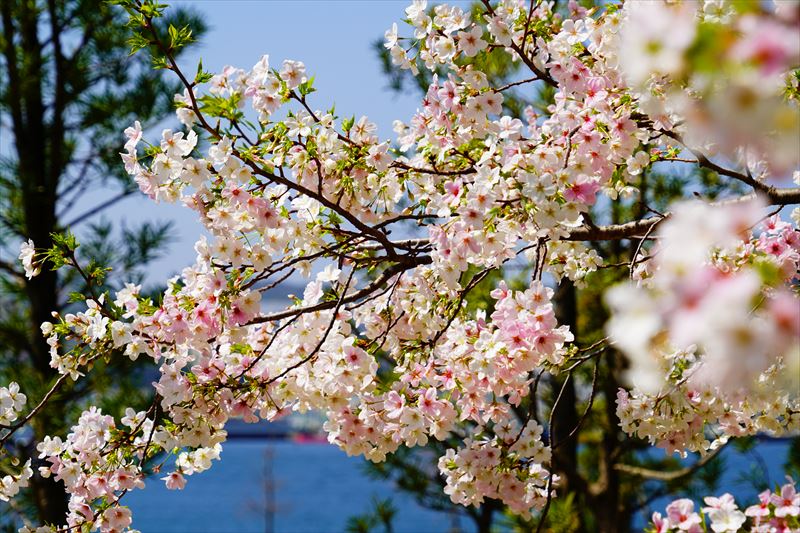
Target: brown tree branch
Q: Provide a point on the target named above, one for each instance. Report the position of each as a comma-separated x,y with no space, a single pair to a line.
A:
658,475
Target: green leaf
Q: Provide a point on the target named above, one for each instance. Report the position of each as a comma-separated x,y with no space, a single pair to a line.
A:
306,87
202,76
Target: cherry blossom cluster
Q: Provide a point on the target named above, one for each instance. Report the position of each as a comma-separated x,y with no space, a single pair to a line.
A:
94,465
700,419
471,471
380,340
10,484
12,402
477,362
775,512
547,172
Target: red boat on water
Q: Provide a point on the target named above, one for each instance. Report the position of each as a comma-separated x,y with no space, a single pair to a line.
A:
309,438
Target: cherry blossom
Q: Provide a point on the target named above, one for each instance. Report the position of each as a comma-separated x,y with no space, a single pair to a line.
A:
777,511
392,235
12,401
27,255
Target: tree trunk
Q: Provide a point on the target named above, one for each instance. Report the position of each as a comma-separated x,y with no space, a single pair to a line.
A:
39,169
608,508
565,415
484,518
610,514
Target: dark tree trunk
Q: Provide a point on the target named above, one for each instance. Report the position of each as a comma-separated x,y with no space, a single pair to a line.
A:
609,510
484,517
565,415
39,169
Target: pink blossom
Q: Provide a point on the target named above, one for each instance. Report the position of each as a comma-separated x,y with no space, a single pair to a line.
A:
681,513
787,503
175,481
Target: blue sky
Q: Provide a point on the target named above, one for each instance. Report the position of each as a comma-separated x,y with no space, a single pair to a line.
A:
333,38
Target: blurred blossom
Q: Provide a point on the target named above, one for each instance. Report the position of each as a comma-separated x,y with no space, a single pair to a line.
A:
724,72
714,289
655,39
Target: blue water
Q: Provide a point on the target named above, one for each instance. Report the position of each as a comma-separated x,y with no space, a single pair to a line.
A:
316,488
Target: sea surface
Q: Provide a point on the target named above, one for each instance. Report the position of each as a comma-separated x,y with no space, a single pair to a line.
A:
315,487
282,486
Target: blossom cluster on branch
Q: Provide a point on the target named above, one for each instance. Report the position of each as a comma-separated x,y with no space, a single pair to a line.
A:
380,341
775,512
